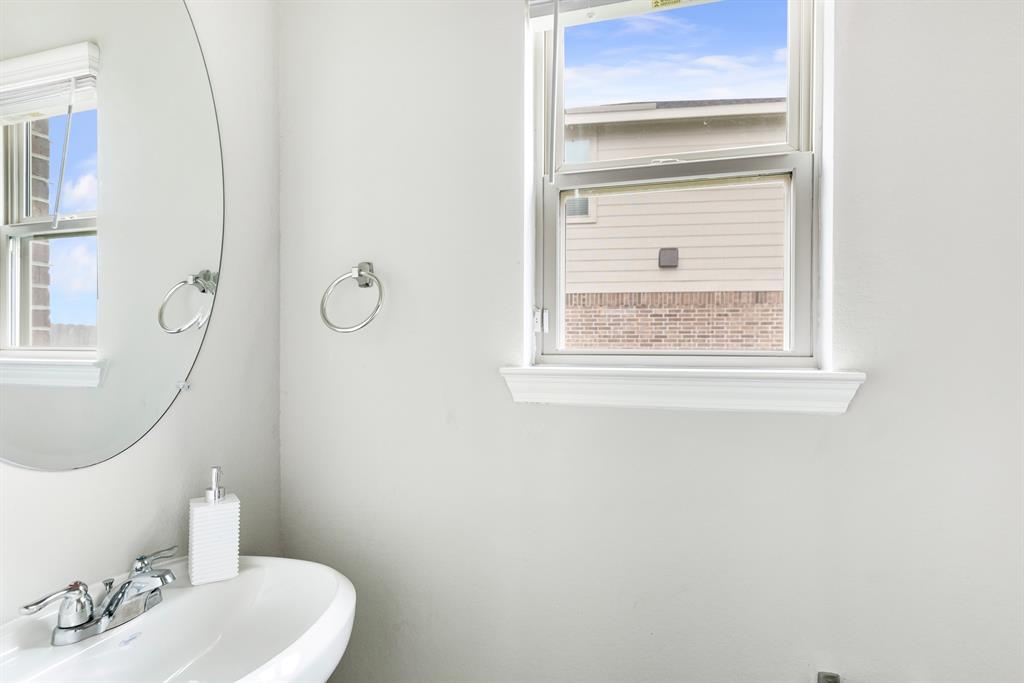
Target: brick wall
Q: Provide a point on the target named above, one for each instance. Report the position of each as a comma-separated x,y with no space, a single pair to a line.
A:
674,320
40,179
39,301
39,305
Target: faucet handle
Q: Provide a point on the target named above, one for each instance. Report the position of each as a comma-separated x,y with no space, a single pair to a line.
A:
144,563
108,588
75,610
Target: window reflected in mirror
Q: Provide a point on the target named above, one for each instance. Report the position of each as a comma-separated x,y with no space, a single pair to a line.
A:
50,233
61,296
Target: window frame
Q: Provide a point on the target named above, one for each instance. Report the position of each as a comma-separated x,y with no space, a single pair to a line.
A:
17,229
795,157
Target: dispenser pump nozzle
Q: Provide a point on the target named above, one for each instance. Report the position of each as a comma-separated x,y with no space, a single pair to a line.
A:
216,491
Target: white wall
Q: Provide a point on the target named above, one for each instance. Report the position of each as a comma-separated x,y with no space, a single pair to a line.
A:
490,541
55,527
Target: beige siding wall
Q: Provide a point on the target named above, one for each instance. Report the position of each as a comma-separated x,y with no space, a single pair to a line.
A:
730,238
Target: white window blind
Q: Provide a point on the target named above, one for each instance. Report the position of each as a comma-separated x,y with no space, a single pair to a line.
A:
39,85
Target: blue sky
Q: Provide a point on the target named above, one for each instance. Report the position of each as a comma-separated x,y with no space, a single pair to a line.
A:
73,259
73,280
717,50
80,180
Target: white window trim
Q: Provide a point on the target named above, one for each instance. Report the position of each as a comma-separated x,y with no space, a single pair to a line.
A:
68,369
787,384
733,389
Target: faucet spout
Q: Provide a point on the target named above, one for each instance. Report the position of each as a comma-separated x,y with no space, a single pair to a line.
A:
136,594
134,588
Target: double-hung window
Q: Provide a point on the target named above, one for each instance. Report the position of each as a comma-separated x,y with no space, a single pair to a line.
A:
675,198
674,194
48,237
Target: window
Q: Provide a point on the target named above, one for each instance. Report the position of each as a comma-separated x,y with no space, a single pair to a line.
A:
724,292
681,128
48,237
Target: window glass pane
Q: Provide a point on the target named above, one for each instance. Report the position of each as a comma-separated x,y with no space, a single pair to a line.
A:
678,267
46,142
60,295
697,78
577,151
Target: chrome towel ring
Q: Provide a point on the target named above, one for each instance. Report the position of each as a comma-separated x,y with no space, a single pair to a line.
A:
364,277
205,282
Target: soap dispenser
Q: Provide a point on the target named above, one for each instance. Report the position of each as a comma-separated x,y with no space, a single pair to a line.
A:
213,524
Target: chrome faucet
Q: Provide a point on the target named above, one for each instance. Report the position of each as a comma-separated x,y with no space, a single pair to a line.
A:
79,619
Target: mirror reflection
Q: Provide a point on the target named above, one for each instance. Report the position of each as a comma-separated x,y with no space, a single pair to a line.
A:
111,223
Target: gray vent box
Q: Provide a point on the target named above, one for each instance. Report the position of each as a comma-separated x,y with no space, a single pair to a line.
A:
668,257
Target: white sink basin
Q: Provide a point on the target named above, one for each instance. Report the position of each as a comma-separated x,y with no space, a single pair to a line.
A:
279,620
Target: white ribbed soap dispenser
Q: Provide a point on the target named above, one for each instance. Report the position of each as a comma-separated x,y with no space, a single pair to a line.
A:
213,523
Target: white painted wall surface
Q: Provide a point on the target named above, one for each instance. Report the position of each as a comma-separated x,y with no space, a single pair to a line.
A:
497,542
59,526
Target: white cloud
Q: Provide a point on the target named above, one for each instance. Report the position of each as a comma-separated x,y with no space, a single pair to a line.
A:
661,77
73,270
651,23
780,55
79,194
725,62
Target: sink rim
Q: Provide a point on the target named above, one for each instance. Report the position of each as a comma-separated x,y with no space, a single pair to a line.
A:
309,641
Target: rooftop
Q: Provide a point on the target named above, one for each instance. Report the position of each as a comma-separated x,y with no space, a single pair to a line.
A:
670,109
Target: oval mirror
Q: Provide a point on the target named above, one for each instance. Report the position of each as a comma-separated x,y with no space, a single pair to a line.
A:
112,223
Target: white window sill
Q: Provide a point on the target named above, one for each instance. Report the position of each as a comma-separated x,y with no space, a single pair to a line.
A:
767,390
51,372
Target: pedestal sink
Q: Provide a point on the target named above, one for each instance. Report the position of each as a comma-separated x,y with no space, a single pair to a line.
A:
279,620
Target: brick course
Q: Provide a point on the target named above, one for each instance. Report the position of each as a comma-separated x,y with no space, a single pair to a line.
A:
674,320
